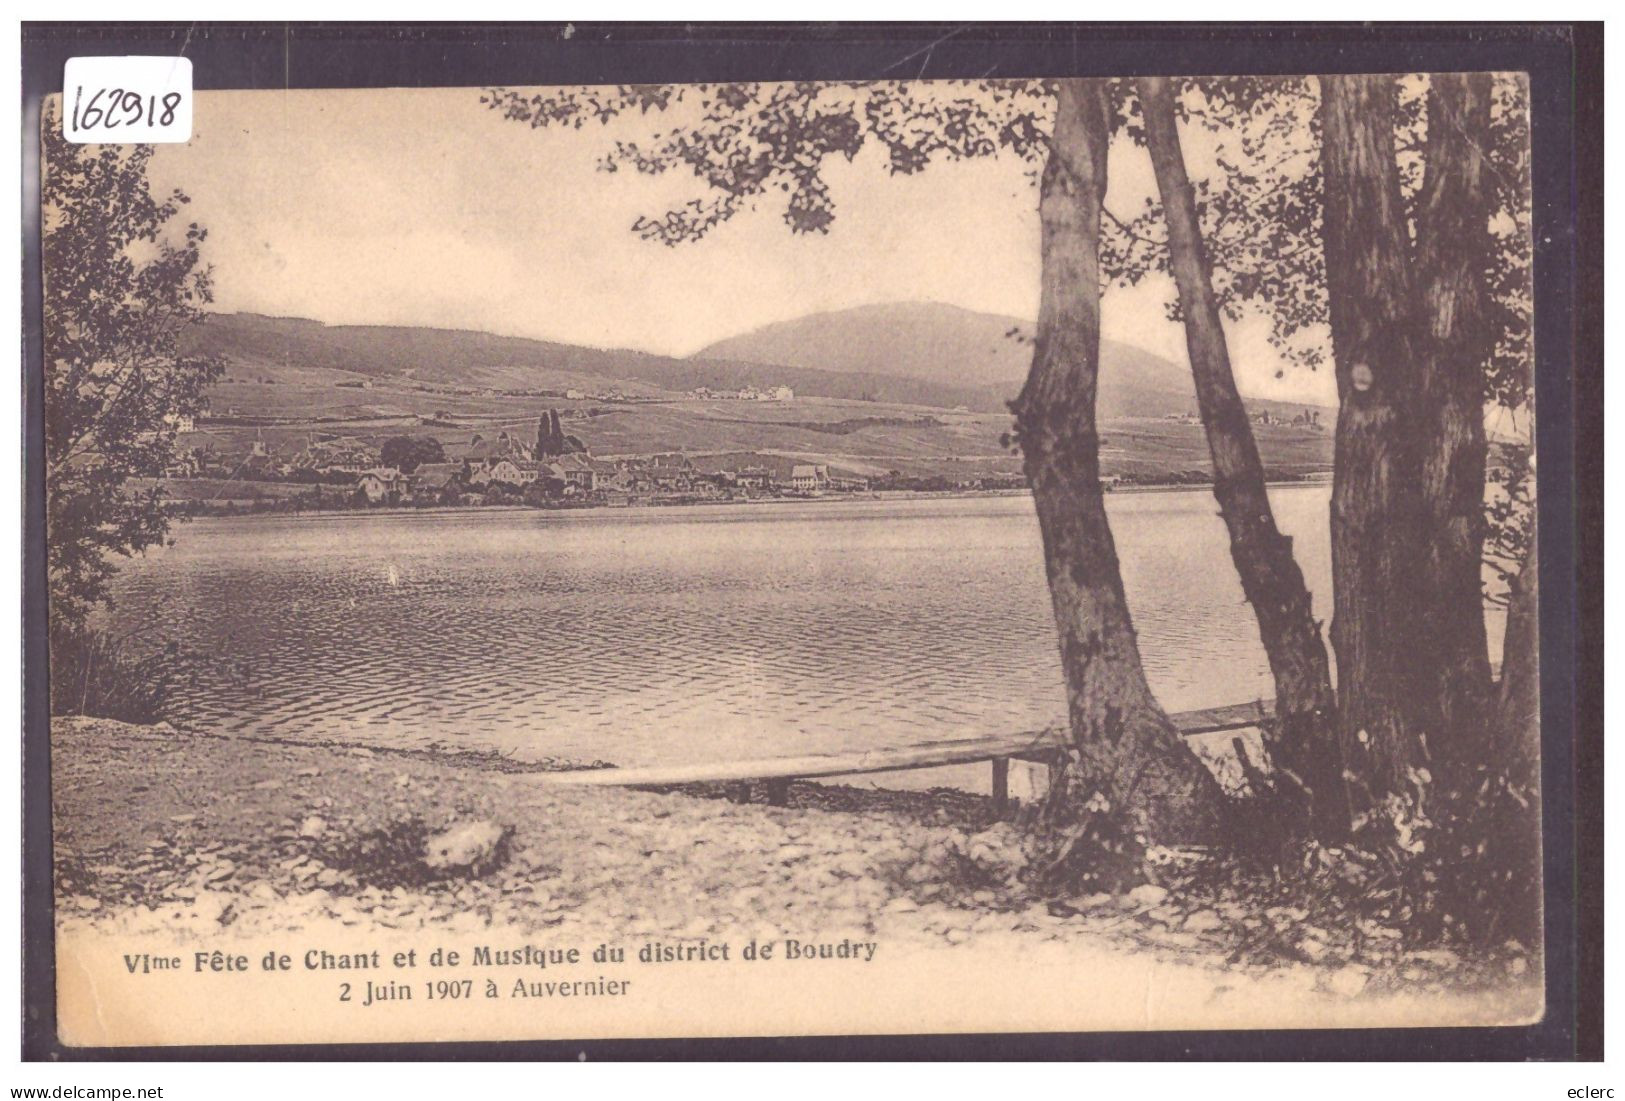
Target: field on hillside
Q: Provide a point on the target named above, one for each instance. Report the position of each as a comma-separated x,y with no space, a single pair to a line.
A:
263,389
865,437
470,362
1148,448
286,404
289,383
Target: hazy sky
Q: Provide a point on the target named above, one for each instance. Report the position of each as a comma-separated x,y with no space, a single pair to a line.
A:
423,207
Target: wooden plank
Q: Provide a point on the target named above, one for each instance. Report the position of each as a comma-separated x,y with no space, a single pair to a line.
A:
1042,745
1001,785
927,755
1210,720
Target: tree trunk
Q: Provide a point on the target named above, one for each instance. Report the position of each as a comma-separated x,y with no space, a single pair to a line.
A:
1127,749
1376,499
1452,244
1518,705
1304,748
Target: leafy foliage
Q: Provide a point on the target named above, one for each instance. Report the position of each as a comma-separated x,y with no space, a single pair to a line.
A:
1260,206
1511,514
1461,865
1449,861
1511,367
407,453
550,439
94,673
1260,211
122,284
746,141
1087,844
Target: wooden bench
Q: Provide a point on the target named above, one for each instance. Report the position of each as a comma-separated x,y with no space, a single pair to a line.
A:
1044,746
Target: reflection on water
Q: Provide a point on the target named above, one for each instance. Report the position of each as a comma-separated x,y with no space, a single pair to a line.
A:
668,635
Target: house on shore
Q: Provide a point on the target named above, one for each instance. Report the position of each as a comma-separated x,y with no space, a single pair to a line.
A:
577,472
482,450
337,456
608,476
809,477
385,483
502,472
529,470
432,480
436,470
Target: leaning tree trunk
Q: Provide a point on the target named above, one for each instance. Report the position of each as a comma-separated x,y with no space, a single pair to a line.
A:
1452,243
1304,748
1127,749
1376,498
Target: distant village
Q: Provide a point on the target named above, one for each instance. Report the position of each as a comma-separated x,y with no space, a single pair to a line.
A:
434,461
749,393
1306,418
503,467
610,394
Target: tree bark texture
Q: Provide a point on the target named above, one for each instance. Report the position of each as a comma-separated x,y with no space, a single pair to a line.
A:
1518,704
1305,749
1453,244
1376,487
1127,749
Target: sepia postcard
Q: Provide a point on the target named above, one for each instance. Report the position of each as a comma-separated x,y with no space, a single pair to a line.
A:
792,559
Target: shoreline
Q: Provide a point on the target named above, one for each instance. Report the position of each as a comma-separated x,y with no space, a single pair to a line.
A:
642,509
181,838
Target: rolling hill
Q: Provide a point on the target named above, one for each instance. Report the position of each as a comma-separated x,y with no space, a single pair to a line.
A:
876,390
452,357
905,353
945,345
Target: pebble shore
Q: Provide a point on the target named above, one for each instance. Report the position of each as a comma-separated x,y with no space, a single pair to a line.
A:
183,835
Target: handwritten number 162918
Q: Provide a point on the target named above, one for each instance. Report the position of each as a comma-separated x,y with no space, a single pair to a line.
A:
110,108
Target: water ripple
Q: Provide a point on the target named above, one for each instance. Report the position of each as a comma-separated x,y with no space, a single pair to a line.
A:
664,636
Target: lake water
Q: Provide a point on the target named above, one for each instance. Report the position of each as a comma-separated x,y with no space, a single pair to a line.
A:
652,636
